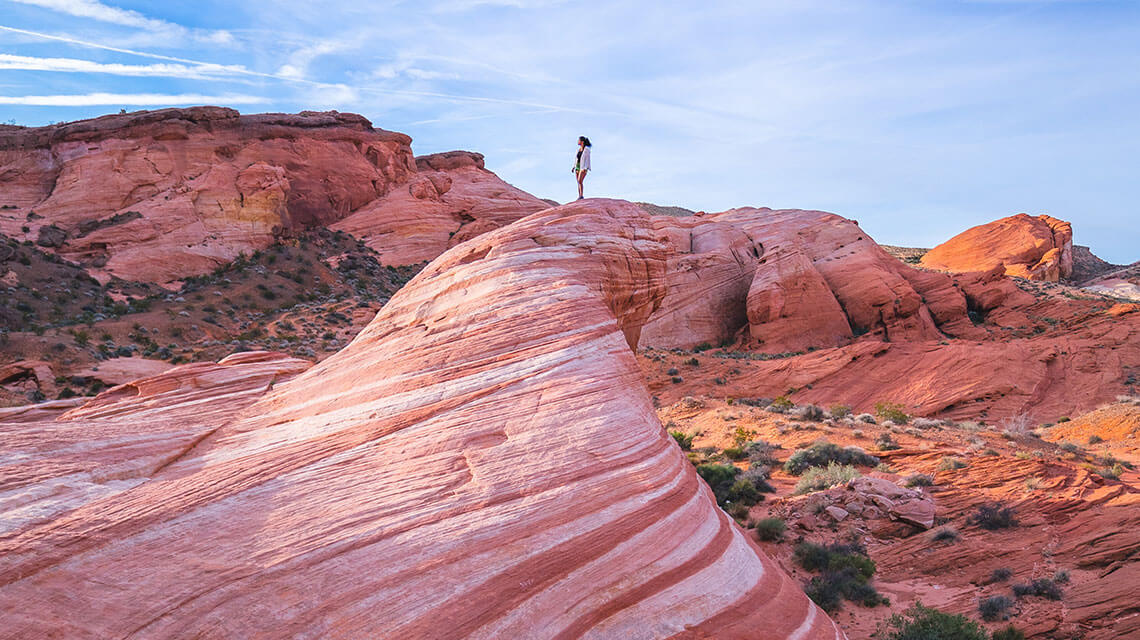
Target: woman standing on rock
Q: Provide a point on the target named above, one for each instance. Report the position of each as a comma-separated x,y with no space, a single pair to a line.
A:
582,164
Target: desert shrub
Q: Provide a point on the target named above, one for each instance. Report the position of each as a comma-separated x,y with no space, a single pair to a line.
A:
770,529
758,475
822,453
1111,473
781,404
762,453
1009,633
993,516
727,488
884,467
867,418
857,433
924,623
1061,576
1095,439
926,423
1062,419
685,440
885,443
845,570
891,411
945,534
820,478
704,346
693,362
809,412
994,608
1018,424
1044,587
839,411
743,492
919,480
741,436
1070,447
735,453
1001,575
950,463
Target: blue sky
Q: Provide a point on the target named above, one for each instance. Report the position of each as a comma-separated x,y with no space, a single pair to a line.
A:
919,118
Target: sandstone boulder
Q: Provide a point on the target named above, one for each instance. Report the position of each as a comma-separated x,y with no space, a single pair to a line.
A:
1036,248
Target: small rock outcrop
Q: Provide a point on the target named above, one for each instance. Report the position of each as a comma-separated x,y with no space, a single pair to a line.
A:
1035,248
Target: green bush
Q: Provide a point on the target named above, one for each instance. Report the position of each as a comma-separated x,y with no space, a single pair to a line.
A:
839,411
923,623
885,443
727,488
845,570
770,529
823,453
685,440
762,453
891,411
820,478
782,403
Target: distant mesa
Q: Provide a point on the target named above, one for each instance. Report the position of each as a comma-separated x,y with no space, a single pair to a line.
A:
1035,248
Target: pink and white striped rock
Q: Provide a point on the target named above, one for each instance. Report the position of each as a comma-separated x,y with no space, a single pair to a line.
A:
482,461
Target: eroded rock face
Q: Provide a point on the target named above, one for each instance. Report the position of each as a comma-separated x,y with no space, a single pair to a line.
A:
482,461
1036,248
156,196
790,280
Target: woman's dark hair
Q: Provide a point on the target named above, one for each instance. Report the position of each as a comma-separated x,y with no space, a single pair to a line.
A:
586,140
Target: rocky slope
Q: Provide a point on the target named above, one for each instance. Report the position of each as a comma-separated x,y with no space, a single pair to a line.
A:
482,461
156,196
1036,248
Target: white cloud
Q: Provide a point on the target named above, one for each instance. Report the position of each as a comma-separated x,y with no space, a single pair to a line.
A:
131,99
95,10
72,65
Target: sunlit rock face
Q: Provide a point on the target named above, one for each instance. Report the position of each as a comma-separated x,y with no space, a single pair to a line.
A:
482,461
160,195
1036,248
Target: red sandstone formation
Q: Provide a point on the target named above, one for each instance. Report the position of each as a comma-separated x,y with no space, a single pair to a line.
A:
156,196
1036,248
453,198
482,461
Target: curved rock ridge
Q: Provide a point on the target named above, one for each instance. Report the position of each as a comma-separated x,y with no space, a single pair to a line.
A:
482,461
790,280
1035,248
159,195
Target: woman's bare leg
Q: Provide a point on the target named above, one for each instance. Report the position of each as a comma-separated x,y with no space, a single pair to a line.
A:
581,177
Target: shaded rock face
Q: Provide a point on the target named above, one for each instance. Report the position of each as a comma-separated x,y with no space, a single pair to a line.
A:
482,461
1036,248
156,196
790,280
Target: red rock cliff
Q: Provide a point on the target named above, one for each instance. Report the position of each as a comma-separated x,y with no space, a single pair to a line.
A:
1036,248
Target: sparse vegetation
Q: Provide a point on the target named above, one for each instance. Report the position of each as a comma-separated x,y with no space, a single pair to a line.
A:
770,529
951,463
885,443
945,534
993,516
891,411
839,411
995,608
845,574
919,480
820,478
824,453
1043,587
685,440
1009,633
728,489
919,622
1001,575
